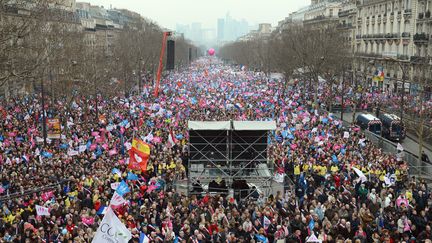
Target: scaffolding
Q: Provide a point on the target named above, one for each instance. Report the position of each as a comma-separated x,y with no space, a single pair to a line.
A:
231,151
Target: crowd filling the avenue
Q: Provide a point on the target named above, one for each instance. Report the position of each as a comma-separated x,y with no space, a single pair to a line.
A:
116,161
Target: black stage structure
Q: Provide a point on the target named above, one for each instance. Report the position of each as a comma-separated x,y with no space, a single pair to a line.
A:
230,157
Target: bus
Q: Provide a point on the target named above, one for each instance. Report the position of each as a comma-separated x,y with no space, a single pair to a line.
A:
392,127
369,122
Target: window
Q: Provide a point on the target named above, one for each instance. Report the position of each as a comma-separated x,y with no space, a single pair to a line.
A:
405,50
331,12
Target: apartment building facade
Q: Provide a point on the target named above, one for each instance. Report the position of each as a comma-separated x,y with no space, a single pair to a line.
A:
394,36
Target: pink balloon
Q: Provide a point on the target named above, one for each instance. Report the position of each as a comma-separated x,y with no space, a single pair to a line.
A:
211,51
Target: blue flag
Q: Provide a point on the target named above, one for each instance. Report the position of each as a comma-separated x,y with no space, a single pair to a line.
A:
124,123
116,171
325,120
261,238
98,152
343,151
132,177
335,159
64,146
89,143
312,224
122,188
101,210
47,154
143,238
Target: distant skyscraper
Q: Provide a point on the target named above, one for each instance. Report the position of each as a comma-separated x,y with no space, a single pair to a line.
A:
196,32
229,29
180,28
220,29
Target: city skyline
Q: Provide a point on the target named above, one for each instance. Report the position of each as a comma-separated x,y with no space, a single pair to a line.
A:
169,13
227,29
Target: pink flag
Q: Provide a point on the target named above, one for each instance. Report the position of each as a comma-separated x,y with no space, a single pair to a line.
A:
151,188
112,152
47,195
87,220
94,134
157,139
93,147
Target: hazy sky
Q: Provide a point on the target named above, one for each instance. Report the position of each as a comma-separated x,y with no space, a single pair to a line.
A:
170,12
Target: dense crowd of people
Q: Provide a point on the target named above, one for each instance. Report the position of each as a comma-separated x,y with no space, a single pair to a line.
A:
344,188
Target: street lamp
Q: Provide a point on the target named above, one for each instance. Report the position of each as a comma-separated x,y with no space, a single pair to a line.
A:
44,132
402,102
139,77
317,85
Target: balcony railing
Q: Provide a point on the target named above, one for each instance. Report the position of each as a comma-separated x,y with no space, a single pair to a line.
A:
345,25
369,55
421,37
403,57
406,35
419,59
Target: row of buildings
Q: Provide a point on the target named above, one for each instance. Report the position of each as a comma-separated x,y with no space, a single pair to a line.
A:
100,27
391,35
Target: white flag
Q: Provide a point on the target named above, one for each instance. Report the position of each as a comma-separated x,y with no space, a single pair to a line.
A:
82,148
266,222
117,200
72,152
346,135
171,140
313,238
390,180
111,229
279,177
360,174
42,211
115,185
128,146
399,147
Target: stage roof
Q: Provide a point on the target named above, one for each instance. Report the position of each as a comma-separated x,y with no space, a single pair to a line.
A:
209,125
254,125
237,125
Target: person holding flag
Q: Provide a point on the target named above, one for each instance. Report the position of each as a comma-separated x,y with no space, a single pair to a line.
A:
139,155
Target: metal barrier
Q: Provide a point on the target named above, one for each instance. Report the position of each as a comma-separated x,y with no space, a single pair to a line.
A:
34,190
416,168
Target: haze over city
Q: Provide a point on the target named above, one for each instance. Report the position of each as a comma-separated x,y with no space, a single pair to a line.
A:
172,13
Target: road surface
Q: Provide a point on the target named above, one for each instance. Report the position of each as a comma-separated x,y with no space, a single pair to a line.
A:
408,143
